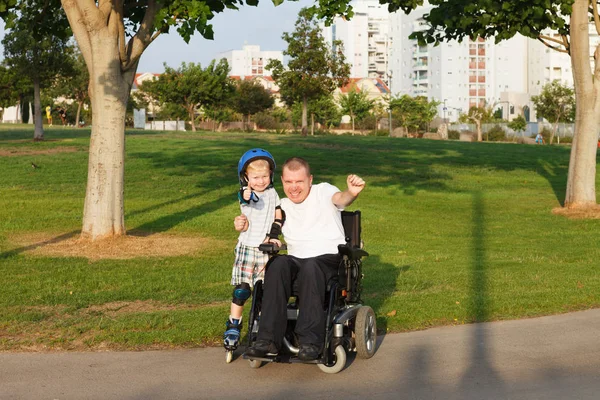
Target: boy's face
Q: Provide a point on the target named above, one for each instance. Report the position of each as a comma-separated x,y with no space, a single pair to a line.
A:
296,184
259,180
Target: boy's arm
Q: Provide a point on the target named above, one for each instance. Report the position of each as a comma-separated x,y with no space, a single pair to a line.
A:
355,185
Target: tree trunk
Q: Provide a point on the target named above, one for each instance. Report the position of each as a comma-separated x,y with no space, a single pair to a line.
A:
304,117
38,133
103,214
191,114
479,135
352,118
581,180
312,124
554,129
79,105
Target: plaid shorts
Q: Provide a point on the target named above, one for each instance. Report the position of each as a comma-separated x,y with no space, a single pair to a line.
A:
249,265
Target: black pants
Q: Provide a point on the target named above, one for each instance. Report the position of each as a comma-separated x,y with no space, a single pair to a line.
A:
308,276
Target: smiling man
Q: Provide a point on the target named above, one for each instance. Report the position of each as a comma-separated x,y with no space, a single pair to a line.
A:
312,231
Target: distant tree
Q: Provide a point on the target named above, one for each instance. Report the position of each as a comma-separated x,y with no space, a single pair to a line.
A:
313,70
37,54
556,104
191,87
414,112
324,111
519,124
73,86
14,88
478,115
356,104
250,98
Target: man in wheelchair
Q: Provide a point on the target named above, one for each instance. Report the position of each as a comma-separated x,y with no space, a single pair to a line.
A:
312,230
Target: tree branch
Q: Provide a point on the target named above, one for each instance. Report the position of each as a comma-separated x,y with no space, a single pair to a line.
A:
121,28
553,47
78,26
105,7
138,43
594,6
551,39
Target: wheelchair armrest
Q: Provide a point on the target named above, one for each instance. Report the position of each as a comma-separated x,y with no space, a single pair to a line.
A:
354,253
271,248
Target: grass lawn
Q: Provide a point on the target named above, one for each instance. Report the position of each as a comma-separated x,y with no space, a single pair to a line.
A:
457,232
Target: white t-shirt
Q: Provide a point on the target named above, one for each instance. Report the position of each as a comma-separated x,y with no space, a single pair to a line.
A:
260,217
313,227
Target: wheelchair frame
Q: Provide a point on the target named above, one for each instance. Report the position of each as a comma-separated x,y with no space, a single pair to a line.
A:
350,325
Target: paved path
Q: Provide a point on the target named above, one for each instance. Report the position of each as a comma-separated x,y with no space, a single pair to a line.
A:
556,357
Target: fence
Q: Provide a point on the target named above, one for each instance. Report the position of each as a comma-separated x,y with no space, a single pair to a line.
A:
532,129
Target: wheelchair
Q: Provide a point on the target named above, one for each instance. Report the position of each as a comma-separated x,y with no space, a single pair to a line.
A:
350,326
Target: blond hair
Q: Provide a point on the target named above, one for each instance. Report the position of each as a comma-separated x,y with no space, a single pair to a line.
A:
258,165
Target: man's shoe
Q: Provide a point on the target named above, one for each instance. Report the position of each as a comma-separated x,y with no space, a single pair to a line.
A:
262,348
308,352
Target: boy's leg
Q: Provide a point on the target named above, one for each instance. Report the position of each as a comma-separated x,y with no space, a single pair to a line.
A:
241,292
233,325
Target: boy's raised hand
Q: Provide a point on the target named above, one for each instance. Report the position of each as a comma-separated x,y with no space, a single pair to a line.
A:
355,184
247,193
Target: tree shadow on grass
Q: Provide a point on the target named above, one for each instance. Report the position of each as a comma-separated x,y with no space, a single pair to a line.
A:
379,284
57,239
167,222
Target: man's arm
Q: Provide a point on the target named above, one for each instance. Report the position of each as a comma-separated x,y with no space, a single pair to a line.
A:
355,185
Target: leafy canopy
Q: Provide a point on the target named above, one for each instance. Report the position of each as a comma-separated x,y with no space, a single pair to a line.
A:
314,70
251,97
356,104
556,102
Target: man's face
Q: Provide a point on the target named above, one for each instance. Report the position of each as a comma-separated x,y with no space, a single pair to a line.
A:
296,184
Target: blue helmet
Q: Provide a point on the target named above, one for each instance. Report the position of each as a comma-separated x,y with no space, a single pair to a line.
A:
253,155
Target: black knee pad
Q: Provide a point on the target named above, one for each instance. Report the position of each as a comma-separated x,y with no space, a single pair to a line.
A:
241,293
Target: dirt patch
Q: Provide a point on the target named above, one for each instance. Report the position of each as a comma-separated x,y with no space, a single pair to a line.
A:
125,307
15,152
578,213
125,247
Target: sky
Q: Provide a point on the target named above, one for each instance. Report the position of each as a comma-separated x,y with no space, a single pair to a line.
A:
262,25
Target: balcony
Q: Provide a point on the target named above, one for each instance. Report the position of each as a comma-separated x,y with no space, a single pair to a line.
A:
422,81
379,38
372,49
373,28
380,59
372,67
420,66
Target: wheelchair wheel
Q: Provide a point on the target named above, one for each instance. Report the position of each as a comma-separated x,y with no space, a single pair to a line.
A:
365,332
255,364
339,361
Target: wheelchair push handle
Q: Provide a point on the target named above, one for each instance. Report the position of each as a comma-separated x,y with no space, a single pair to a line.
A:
271,248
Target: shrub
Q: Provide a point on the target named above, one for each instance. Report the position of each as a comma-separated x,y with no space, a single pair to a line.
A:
380,132
264,120
454,135
495,134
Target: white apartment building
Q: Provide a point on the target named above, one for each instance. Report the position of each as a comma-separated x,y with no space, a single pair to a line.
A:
459,75
250,61
366,39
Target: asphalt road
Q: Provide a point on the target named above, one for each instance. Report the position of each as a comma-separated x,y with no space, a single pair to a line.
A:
555,357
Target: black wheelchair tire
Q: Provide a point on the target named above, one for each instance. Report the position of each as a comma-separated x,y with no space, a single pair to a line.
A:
365,331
